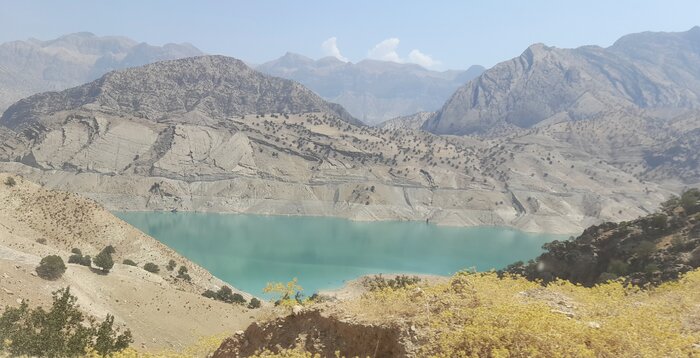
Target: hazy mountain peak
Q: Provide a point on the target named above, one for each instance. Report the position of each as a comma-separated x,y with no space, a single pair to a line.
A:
549,84
215,86
372,90
34,66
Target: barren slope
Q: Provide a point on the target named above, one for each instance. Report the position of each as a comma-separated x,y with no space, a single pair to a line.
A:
161,311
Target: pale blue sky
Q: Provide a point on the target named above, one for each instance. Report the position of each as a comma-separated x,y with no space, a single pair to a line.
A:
454,34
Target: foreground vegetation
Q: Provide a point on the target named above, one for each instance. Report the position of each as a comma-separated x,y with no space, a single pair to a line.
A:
647,251
62,331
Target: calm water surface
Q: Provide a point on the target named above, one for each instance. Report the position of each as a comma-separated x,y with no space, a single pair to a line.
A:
250,250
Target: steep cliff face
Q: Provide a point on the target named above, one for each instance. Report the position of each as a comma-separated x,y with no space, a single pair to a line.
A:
546,84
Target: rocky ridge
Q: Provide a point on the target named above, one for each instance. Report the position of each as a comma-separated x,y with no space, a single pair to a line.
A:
34,66
547,84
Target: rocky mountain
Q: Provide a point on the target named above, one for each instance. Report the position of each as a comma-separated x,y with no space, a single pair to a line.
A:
412,121
199,89
373,91
211,134
33,66
653,249
547,85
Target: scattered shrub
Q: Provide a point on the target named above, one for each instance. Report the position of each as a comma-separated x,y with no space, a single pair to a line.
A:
618,267
51,267
129,262
62,331
225,294
254,303
41,241
86,261
182,273
151,267
104,261
76,251
75,259
171,265
378,282
78,258
10,181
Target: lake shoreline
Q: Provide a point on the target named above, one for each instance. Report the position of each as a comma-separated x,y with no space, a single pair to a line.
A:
249,250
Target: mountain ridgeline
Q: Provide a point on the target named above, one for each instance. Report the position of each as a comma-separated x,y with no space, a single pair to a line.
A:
216,87
371,90
548,85
33,66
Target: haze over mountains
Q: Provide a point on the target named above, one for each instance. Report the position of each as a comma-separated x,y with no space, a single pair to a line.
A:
32,66
548,85
556,139
211,134
373,91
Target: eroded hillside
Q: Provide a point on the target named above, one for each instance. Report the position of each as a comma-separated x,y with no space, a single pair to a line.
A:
162,310
210,134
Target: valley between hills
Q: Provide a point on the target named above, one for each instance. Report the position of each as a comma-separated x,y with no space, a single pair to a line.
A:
599,141
298,155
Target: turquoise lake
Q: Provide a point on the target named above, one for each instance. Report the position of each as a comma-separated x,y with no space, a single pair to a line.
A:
248,251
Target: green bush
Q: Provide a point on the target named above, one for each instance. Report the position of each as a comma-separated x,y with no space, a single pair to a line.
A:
225,294
75,259
645,249
76,251
51,267
104,261
129,262
182,273
618,267
690,201
254,303
10,181
41,241
171,265
151,267
62,331
109,249
378,282
86,261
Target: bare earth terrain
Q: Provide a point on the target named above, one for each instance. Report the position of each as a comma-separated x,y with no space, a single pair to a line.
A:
161,311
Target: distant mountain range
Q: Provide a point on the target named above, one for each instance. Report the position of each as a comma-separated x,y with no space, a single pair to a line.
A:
209,133
33,66
554,140
373,91
546,85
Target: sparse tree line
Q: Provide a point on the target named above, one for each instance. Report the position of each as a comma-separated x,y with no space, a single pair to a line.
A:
52,267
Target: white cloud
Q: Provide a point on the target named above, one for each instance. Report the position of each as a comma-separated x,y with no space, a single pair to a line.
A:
330,48
422,59
387,51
